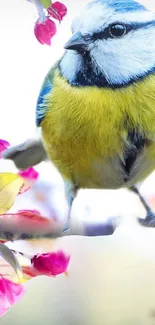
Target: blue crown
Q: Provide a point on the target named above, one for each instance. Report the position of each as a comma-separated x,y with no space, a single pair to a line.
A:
124,5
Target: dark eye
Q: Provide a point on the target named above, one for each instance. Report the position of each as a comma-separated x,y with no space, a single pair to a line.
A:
117,30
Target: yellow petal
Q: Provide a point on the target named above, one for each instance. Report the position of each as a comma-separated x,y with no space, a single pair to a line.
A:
24,279
10,185
20,279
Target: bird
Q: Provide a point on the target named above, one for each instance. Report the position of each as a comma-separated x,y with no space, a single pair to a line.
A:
96,106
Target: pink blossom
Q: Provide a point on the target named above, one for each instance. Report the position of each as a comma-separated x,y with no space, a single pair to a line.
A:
27,222
30,175
57,10
3,146
29,213
49,264
44,31
10,293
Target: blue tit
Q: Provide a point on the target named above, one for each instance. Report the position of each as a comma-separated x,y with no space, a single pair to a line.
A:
96,108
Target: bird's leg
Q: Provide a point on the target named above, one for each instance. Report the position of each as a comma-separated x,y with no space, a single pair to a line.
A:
96,229
149,220
70,191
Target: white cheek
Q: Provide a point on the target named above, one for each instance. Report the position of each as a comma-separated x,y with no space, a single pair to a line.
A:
126,58
70,65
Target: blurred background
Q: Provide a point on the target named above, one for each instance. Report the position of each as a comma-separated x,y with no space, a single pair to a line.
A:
79,299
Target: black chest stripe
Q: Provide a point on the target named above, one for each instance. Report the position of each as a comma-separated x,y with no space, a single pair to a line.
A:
133,148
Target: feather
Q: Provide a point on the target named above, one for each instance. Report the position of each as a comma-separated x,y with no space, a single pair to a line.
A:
42,102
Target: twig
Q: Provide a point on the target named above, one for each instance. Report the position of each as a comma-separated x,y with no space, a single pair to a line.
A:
91,230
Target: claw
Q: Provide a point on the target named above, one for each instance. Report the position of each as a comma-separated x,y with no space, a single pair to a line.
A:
148,222
66,227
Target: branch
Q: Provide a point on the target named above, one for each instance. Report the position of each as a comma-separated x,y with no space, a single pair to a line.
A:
91,230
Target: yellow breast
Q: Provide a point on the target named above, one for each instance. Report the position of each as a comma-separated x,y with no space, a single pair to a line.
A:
84,125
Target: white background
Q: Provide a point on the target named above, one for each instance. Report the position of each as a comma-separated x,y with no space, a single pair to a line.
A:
110,282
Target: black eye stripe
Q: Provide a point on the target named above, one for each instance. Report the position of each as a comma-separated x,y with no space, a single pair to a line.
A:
129,27
106,33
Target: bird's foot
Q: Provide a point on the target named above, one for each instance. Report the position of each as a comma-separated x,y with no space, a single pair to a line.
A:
102,229
66,227
149,221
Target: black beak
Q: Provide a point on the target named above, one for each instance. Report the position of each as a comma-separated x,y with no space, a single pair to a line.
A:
76,42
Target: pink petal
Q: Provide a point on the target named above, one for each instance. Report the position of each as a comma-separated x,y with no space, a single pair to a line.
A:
45,31
10,293
3,146
51,26
30,271
57,10
41,34
4,142
29,173
29,213
27,221
51,264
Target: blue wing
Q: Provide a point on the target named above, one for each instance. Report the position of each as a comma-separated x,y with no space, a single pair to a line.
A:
46,89
42,107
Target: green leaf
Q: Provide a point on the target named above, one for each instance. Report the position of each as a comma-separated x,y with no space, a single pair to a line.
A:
9,257
46,3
